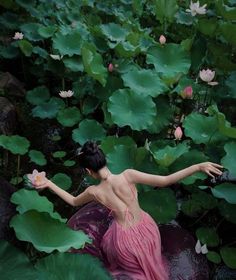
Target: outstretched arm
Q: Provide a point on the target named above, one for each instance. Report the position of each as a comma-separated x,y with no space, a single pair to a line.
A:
137,177
81,199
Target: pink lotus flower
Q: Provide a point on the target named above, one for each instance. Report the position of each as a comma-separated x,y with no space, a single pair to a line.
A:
110,67
207,76
195,9
66,94
188,92
18,36
162,39
178,133
37,178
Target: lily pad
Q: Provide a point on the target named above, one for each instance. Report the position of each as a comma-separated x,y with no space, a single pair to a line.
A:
229,160
128,108
144,82
59,154
26,47
228,255
160,204
165,10
69,117
108,144
169,60
213,257
40,228
88,130
74,63
114,32
38,95
228,211
226,191
30,200
16,144
208,236
62,180
69,163
47,31
37,157
85,266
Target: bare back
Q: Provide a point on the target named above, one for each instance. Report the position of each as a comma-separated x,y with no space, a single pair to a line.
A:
117,194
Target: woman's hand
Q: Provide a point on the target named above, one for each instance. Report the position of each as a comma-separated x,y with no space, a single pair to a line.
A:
42,185
210,168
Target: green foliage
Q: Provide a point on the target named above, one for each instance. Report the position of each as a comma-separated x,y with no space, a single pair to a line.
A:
208,236
57,266
16,144
228,255
165,10
69,116
229,160
38,95
226,191
62,180
39,228
37,157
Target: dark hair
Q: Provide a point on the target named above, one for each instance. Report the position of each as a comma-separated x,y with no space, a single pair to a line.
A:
92,157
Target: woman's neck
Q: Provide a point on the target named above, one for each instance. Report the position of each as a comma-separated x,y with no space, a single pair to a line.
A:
104,173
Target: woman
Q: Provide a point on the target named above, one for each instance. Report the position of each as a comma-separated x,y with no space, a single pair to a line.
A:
132,242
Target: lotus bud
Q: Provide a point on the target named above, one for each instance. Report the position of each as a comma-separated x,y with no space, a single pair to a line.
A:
178,133
162,39
188,92
110,67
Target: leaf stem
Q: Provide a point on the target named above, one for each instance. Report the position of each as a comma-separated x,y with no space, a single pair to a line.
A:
18,169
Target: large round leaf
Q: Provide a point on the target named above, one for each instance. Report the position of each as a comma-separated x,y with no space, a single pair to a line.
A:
46,234
160,204
226,191
231,84
47,31
31,200
108,144
14,264
68,44
202,129
88,130
165,10
62,180
144,82
208,236
229,160
169,60
72,267
38,95
69,117
128,108
228,255
114,32
16,144
228,211
74,63
37,157
26,47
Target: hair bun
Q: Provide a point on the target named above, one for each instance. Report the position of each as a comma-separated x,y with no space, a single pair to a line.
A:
90,148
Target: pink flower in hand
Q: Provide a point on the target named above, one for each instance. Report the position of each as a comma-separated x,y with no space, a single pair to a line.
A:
110,67
37,178
188,92
178,133
162,39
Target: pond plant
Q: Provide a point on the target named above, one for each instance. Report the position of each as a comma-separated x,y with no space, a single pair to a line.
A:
153,82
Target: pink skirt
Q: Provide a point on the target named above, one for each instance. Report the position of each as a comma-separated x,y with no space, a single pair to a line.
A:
136,250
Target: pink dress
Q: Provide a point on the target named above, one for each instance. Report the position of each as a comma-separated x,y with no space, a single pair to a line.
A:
136,249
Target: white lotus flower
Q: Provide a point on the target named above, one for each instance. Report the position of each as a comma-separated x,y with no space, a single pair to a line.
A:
56,56
201,249
195,9
66,94
207,76
18,36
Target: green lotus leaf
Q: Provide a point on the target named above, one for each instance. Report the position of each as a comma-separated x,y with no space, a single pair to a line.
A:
208,236
228,255
121,158
93,63
38,95
69,116
37,157
74,63
226,191
114,32
127,49
45,233
228,211
202,129
168,155
68,44
169,60
231,84
16,180
160,204
59,154
89,105
229,160
108,144
165,10
40,51
144,82
62,180
15,264
225,11
69,163
213,257
228,31
207,26
48,109
26,47
16,144
47,31
184,18
79,266
30,31
128,108
88,130
9,51
30,200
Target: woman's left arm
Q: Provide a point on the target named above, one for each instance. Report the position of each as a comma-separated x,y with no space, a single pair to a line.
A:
81,199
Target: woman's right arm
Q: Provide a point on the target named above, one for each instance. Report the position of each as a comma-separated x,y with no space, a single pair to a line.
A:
137,177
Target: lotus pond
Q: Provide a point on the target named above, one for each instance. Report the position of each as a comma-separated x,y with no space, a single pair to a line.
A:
154,83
